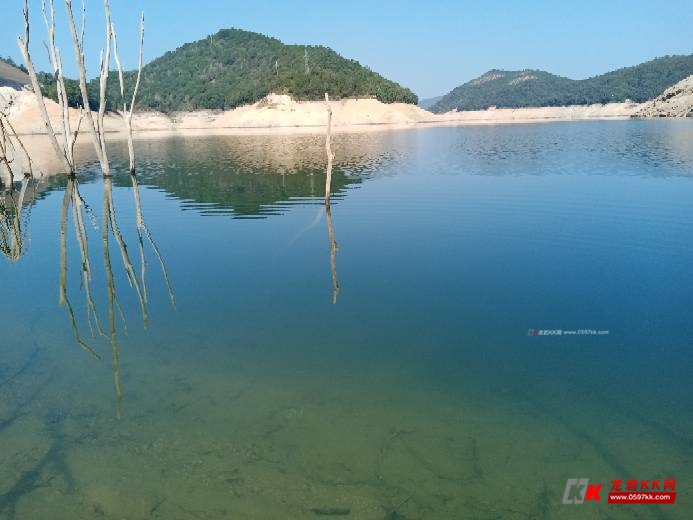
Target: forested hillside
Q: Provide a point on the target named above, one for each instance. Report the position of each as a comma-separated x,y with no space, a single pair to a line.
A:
235,67
529,88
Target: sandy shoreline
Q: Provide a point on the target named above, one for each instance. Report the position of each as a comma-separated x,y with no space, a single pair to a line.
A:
279,114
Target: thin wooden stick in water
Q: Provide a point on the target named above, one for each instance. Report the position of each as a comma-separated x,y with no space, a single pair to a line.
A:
328,149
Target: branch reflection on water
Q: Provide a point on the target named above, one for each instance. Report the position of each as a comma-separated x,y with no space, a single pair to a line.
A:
14,219
241,178
333,253
109,229
73,197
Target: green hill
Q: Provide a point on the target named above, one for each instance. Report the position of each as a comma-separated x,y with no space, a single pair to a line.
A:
235,67
529,88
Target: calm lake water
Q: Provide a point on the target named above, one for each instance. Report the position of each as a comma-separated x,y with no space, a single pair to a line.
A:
271,361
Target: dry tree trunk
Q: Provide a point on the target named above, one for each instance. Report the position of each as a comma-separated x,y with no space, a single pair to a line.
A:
127,112
69,137
328,149
24,49
96,127
328,213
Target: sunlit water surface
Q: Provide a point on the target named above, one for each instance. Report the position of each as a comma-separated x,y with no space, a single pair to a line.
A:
274,362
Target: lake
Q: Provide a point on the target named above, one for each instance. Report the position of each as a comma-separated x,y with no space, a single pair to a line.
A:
483,314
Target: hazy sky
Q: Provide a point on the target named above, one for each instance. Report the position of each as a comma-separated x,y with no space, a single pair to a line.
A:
429,46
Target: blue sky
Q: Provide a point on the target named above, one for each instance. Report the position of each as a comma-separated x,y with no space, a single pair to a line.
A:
429,47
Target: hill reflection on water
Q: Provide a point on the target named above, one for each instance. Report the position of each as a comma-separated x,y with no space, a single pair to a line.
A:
256,176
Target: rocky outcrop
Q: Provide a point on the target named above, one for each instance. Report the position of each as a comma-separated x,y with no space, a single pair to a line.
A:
676,101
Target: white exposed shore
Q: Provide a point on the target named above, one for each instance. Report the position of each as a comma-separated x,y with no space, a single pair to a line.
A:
281,114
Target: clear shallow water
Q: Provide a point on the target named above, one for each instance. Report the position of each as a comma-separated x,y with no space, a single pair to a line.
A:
418,394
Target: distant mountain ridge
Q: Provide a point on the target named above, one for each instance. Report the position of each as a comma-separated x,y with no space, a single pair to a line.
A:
534,88
235,67
427,103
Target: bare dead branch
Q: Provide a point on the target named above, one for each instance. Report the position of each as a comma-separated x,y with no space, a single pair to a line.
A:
128,111
23,44
56,63
95,126
103,83
13,137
